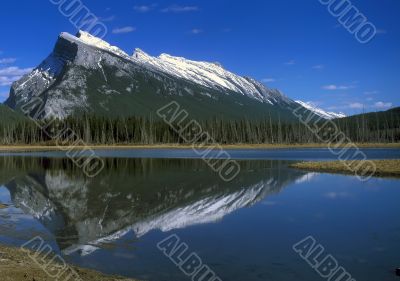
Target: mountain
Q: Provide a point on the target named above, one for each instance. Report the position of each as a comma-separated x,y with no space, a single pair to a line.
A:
320,112
85,74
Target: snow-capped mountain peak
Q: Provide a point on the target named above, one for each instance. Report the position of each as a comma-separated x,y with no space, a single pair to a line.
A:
91,40
320,112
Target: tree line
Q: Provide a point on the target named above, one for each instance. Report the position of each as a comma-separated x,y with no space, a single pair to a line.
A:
148,130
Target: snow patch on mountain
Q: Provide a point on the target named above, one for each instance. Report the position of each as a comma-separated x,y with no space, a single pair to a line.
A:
207,74
89,39
320,112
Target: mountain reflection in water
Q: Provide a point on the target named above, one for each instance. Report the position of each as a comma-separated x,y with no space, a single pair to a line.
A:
136,195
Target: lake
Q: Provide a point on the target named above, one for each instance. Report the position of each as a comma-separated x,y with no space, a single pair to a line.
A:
242,230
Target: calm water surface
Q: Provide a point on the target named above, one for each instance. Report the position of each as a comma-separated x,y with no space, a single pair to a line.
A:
243,230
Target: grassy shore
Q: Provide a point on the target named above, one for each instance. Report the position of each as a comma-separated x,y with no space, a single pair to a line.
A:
16,265
13,148
384,168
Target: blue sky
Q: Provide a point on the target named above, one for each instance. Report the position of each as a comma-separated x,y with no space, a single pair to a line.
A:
295,46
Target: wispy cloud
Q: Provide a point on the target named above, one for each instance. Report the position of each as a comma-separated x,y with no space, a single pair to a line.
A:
291,62
268,80
7,60
107,19
383,105
10,74
370,93
333,87
125,29
336,195
14,71
180,9
144,8
196,31
381,31
8,80
356,105
318,67
92,21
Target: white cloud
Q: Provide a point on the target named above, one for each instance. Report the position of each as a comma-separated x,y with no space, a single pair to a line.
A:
330,87
180,9
92,21
356,105
7,60
7,81
11,74
196,31
318,67
381,104
14,71
368,93
107,19
291,62
335,195
144,8
268,80
125,29
333,87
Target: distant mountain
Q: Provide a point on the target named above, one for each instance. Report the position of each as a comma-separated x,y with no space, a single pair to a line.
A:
320,112
382,126
380,119
86,74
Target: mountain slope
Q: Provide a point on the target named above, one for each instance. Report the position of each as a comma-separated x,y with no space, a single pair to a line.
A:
9,116
320,112
86,74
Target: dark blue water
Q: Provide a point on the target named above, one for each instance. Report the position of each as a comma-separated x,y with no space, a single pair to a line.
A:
243,230
272,154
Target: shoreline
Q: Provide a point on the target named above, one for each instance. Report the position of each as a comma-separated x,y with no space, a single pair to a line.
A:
16,265
30,148
384,168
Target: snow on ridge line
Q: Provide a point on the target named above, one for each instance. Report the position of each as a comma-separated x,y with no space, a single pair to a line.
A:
204,73
320,112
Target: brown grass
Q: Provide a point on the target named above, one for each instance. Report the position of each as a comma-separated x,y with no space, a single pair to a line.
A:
16,265
384,168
